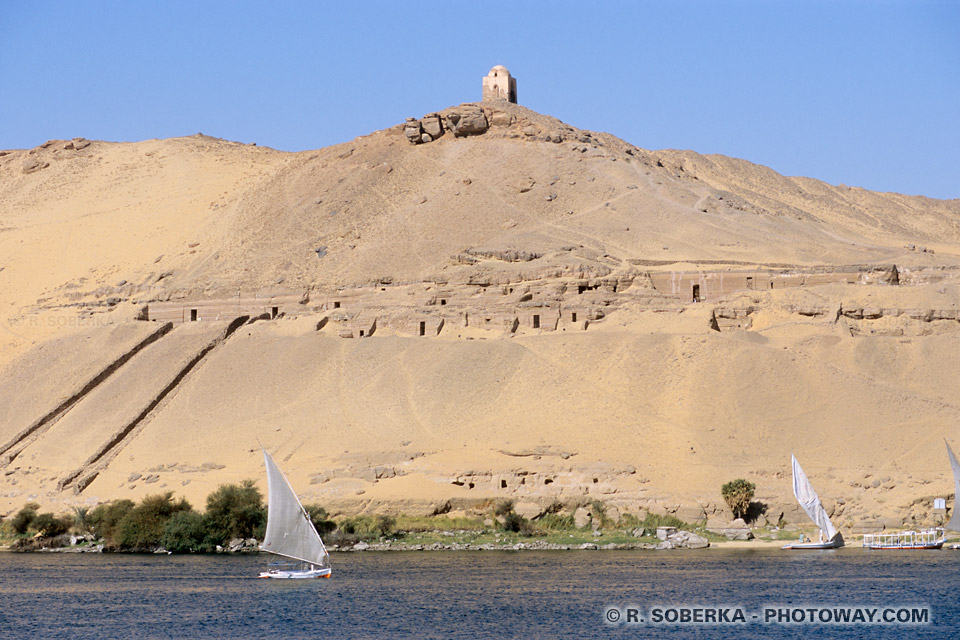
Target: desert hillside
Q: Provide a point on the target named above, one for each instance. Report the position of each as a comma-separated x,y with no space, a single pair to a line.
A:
480,303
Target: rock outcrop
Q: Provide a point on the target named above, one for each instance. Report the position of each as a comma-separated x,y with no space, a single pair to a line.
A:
683,540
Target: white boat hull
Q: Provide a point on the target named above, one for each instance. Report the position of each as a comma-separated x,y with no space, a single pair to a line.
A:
904,540
905,547
306,574
829,544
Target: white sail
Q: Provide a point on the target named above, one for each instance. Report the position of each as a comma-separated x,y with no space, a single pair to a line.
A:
290,532
954,524
810,501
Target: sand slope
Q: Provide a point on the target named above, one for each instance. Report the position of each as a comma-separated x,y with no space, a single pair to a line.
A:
652,407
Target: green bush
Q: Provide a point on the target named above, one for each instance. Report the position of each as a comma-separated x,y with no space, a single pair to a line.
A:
421,524
49,525
653,520
24,518
81,518
503,508
320,519
738,494
105,518
599,512
142,527
513,521
369,526
235,511
556,522
184,532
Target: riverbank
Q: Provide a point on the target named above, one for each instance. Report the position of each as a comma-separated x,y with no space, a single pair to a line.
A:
442,542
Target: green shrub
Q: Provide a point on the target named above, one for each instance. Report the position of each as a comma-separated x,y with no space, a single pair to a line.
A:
80,518
105,518
421,524
513,521
503,508
653,520
235,511
320,519
142,527
49,525
24,518
599,512
369,526
556,522
184,532
738,494
598,509
385,525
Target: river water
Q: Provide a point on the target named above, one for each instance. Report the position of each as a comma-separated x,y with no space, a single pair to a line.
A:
475,594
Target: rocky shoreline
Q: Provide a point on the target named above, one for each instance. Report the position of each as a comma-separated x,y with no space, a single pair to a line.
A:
667,538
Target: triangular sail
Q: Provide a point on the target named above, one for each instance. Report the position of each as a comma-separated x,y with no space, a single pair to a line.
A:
954,524
810,501
290,532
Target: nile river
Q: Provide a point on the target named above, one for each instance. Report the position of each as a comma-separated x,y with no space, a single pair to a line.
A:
473,594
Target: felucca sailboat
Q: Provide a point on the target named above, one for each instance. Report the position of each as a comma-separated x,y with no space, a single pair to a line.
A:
830,538
290,532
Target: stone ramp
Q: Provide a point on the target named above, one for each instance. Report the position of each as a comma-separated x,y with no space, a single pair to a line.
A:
206,340
39,388
95,428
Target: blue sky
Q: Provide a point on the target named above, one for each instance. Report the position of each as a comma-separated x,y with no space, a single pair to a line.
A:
854,92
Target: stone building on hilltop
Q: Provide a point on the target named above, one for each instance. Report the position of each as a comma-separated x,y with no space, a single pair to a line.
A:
500,85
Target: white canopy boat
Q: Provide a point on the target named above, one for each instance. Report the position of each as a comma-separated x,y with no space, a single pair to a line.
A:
927,539
830,538
290,532
904,540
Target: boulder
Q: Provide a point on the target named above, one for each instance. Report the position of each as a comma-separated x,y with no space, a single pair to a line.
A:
412,131
77,144
665,532
31,165
528,510
694,514
688,540
432,125
734,530
736,534
467,121
581,517
501,119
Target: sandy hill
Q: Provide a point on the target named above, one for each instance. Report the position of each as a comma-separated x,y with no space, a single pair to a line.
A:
527,289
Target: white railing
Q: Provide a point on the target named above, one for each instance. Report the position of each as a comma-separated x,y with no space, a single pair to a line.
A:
903,539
